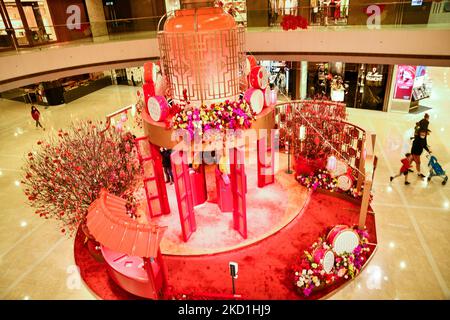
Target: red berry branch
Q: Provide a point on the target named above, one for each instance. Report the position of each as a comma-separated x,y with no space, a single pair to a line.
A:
65,174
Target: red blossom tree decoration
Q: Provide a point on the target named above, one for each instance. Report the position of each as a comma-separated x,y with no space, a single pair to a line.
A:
64,175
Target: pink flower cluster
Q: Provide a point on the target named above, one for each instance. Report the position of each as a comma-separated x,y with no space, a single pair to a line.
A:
219,116
309,276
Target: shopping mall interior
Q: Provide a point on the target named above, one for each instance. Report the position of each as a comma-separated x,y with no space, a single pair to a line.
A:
376,69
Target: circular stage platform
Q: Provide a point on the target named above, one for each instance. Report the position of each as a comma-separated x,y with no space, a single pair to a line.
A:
264,265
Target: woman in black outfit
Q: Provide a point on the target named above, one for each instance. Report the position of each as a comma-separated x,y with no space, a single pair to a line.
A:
167,164
419,143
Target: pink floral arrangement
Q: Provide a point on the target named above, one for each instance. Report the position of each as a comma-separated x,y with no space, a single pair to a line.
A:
219,116
309,276
64,175
291,22
321,179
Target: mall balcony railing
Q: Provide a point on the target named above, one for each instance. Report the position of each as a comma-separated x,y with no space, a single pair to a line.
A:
386,15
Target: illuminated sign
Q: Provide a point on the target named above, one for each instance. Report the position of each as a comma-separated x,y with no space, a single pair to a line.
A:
404,82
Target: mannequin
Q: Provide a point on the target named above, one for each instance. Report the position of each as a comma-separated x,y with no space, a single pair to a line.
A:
292,5
327,11
281,6
273,11
314,10
337,11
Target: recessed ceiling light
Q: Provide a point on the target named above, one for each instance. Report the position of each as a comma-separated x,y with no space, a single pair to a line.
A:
17,183
23,224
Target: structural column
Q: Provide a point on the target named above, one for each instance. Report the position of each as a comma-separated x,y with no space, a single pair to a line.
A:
97,19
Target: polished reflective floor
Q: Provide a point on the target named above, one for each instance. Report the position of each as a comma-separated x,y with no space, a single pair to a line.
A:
413,222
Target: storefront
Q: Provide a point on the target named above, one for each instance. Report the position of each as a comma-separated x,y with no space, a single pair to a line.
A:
60,91
128,76
31,21
27,23
358,85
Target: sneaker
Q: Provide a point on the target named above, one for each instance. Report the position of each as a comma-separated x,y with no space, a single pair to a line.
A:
406,183
391,178
421,175
410,170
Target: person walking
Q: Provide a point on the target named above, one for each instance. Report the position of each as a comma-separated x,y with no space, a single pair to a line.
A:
418,145
422,125
167,164
35,114
404,170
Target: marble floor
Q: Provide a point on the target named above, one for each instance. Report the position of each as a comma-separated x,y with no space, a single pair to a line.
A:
413,222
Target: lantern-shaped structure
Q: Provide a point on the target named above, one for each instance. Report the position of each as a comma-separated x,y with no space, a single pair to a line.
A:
202,54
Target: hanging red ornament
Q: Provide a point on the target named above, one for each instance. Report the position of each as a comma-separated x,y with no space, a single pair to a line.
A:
316,140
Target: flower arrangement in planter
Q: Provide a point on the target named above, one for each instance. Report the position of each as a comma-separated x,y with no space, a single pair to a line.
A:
292,22
219,116
64,175
309,276
322,179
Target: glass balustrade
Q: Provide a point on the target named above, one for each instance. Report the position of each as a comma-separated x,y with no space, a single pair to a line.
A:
32,26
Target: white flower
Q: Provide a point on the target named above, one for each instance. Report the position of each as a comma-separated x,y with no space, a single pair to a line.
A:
296,273
303,271
310,272
322,272
346,276
345,264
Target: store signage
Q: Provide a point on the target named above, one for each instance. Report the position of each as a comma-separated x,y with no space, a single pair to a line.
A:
74,19
416,2
404,82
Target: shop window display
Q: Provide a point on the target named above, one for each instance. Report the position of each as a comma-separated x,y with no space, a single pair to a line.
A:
325,12
279,74
237,8
280,8
37,27
172,5
358,85
371,87
412,83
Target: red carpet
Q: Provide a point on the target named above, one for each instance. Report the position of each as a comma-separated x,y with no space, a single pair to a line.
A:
263,267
